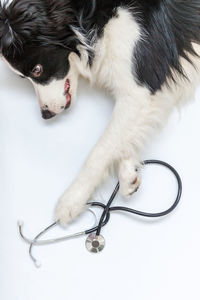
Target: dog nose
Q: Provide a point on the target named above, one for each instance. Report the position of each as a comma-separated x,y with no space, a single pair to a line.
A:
47,114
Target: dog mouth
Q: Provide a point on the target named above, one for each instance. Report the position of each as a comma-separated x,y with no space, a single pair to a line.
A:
67,94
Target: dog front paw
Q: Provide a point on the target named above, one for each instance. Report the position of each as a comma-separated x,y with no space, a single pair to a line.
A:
128,178
69,206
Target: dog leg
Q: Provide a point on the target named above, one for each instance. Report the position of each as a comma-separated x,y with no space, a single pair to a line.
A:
132,124
101,158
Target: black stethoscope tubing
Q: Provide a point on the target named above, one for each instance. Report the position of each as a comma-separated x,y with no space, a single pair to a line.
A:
107,208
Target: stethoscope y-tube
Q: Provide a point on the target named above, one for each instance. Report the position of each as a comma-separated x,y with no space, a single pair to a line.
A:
95,242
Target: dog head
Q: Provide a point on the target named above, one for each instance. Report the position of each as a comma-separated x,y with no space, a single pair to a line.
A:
36,40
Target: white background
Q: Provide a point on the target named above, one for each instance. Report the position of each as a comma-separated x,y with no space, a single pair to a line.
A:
143,259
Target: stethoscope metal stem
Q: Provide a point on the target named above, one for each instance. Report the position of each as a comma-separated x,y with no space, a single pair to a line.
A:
35,241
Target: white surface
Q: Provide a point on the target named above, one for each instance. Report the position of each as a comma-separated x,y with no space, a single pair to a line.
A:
143,259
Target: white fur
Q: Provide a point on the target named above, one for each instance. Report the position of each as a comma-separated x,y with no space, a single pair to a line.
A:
136,116
7,2
48,95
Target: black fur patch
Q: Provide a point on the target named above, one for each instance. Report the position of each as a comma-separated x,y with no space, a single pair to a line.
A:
95,14
40,31
168,28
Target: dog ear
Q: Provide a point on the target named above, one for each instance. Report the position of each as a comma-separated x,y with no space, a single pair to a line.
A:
15,25
8,38
60,13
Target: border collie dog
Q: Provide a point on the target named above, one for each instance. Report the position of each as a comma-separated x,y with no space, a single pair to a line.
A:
144,52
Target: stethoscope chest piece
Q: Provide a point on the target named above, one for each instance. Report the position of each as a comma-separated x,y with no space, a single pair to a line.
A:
95,243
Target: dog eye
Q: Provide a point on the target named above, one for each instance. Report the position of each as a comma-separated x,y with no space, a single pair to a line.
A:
37,71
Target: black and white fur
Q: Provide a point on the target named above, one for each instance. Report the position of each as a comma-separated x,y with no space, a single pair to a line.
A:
144,52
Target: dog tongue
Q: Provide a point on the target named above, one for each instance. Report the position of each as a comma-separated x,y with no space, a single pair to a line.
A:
68,97
67,94
67,85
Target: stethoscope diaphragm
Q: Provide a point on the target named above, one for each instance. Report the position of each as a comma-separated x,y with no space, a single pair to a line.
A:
95,243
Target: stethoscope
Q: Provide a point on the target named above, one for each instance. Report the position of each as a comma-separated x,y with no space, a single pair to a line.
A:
95,242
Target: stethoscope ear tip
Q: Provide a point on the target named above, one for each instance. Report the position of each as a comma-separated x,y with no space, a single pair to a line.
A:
38,264
20,223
